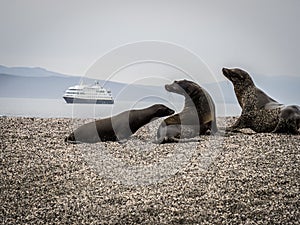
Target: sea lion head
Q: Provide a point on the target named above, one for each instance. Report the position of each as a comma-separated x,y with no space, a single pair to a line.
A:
162,110
238,77
182,87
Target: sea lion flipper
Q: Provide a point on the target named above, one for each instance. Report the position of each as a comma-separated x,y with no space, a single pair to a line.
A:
239,124
173,120
123,141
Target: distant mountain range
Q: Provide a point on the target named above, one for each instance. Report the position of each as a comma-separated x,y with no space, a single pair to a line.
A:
24,82
29,72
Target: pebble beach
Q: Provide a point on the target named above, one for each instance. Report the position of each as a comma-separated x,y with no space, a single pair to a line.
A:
241,178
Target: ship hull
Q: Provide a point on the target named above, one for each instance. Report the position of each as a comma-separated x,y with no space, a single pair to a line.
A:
87,101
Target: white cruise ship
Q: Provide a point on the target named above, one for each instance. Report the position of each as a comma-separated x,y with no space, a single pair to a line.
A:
88,94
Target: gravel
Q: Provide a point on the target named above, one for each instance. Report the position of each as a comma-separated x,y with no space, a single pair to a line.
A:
242,178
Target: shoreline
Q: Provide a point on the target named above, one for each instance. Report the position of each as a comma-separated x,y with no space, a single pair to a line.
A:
250,179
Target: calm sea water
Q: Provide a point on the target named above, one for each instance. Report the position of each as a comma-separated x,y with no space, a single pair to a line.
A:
57,108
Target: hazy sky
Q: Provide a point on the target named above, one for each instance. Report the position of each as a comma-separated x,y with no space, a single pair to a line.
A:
68,36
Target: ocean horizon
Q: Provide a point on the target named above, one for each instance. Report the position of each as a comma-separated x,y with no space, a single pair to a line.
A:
58,108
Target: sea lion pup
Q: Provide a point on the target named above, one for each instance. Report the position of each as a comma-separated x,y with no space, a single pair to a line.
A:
198,114
118,127
260,112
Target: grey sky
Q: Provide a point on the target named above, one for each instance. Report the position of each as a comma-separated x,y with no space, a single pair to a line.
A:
68,36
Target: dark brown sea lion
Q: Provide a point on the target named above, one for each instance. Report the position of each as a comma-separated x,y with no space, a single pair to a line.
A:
260,112
198,115
118,127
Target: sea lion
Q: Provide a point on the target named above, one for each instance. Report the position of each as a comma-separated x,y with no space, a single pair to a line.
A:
118,127
197,117
260,112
